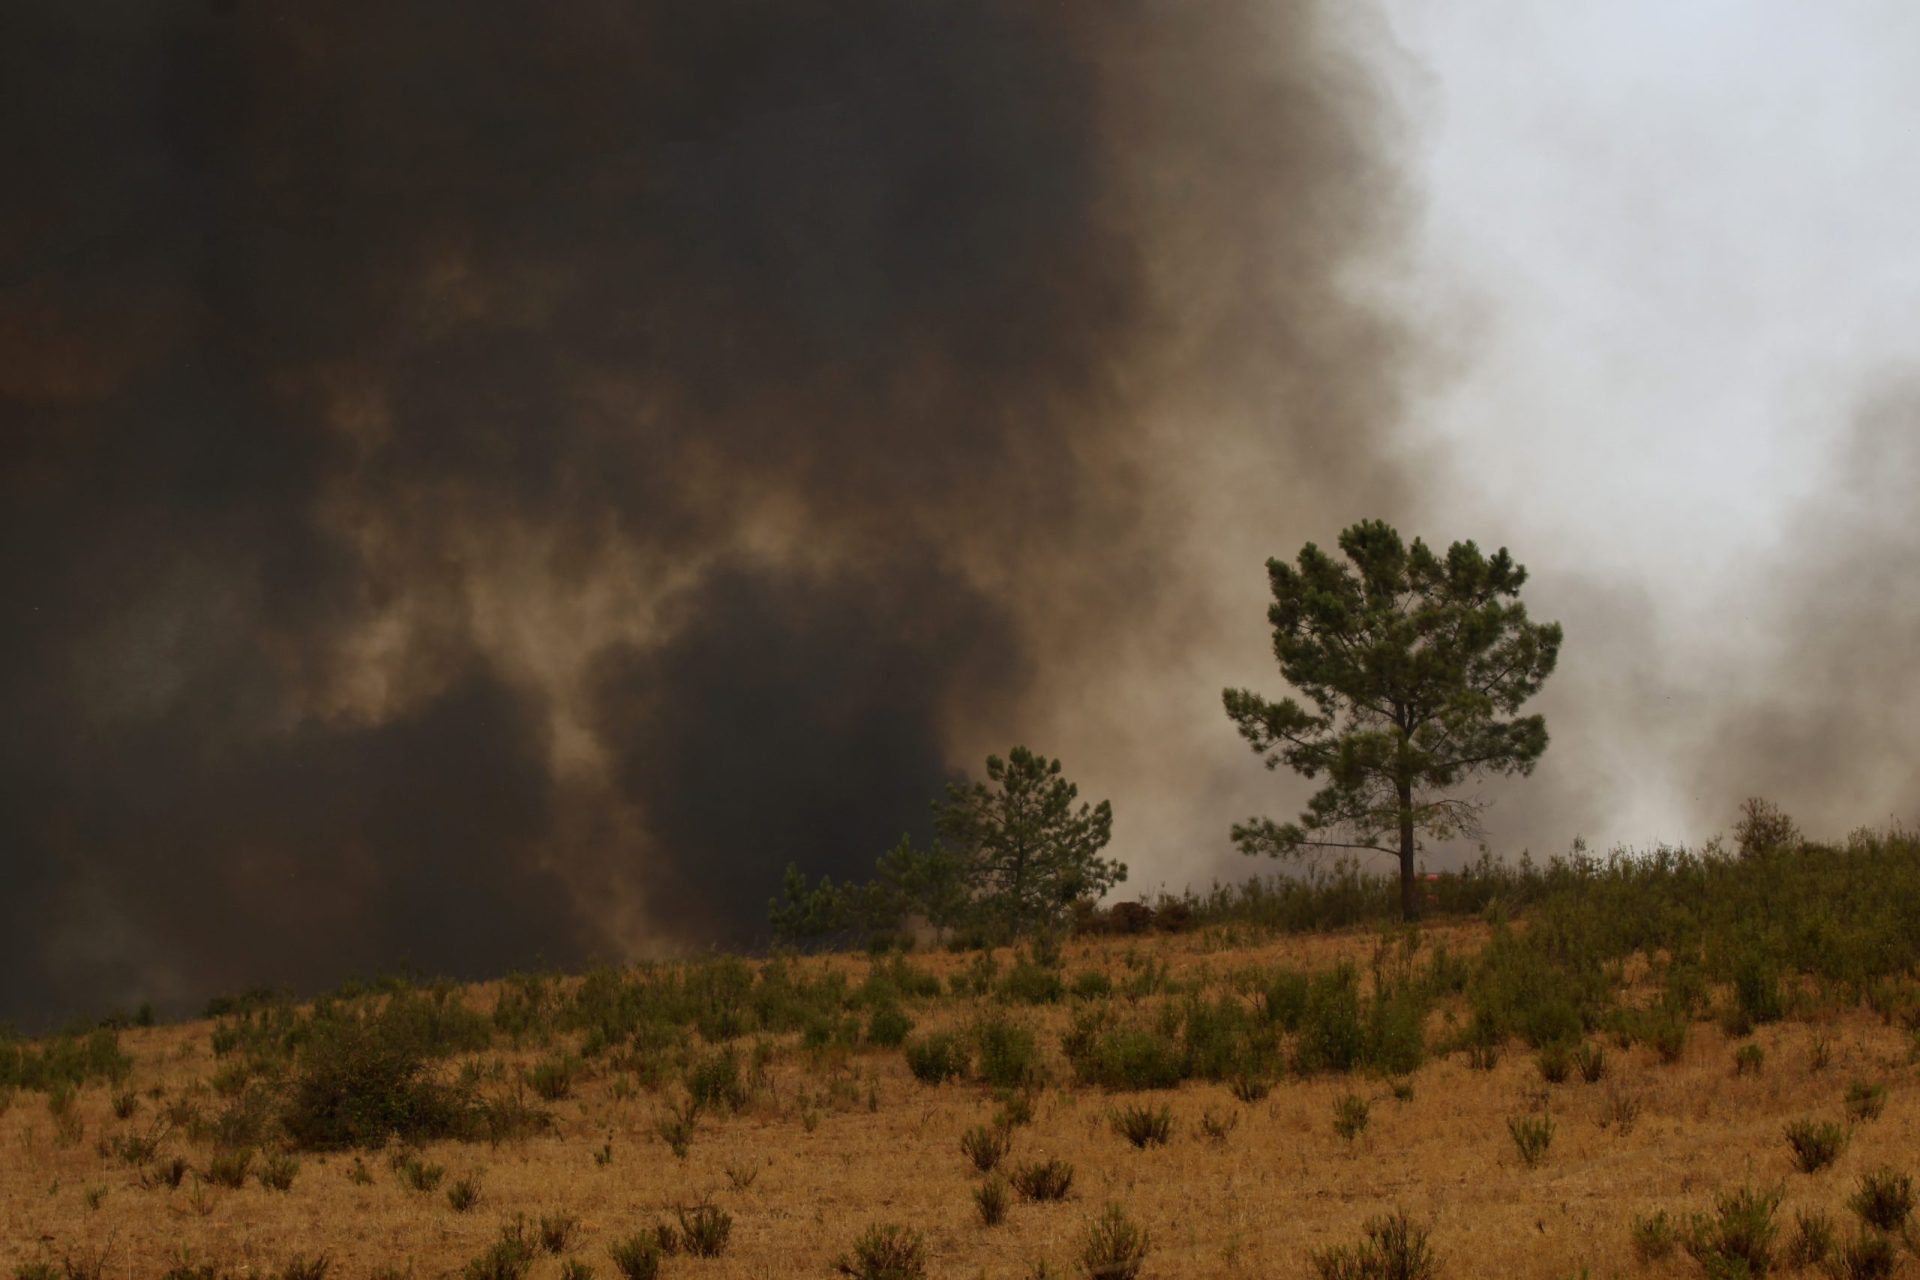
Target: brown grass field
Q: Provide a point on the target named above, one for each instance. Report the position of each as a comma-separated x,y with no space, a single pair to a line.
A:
835,1142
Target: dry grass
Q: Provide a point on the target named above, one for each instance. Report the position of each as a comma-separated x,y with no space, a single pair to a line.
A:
841,1140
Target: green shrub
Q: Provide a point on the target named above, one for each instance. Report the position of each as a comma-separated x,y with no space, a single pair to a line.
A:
1756,988
1667,1033
301,1267
705,1230
1816,1144
1871,1256
510,1258
1555,1062
1250,1088
1030,983
675,1126
1043,1180
360,1085
1124,1056
713,1080
229,1168
1142,1125
1740,1232
1331,1036
557,1231
276,1172
886,1252
936,1057
1094,984
1653,1236
1865,1101
991,1199
888,1025
1395,1248
552,1078
417,1175
1532,1135
1748,1059
1114,1248
464,1194
637,1257
1591,1061
1812,1240
1009,1054
1884,1199
986,1145
1350,1115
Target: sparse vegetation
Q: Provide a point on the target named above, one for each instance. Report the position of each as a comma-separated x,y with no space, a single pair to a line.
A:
1114,1248
992,1198
1043,1180
1532,1135
986,1145
886,1252
1395,1247
1739,1233
1569,971
1884,1199
1815,1144
636,1257
1143,1125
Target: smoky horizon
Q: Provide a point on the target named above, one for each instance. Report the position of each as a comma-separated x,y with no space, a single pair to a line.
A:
490,484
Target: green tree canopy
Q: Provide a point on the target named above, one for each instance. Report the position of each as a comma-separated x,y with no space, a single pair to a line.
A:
1011,855
1413,668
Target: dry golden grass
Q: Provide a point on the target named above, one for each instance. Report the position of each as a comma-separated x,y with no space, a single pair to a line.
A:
1254,1204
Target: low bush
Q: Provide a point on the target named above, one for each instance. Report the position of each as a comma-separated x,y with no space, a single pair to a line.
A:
1143,1125
1869,1256
276,1172
991,1199
637,1257
1815,1144
936,1057
1043,1180
888,1025
1812,1240
1009,1055
1532,1135
1395,1248
229,1168
359,1085
557,1231
885,1252
1883,1199
1114,1248
1865,1101
1350,1116
1738,1235
986,1145
1653,1236
713,1080
705,1230
464,1194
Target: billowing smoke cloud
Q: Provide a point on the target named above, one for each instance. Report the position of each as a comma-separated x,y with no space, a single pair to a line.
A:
1821,713
492,482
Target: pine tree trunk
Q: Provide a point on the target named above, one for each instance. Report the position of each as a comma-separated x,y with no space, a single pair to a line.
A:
1409,899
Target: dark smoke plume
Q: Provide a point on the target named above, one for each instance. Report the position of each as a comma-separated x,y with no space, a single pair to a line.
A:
490,482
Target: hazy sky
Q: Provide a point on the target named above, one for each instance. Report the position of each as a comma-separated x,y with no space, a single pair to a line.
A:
1669,251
